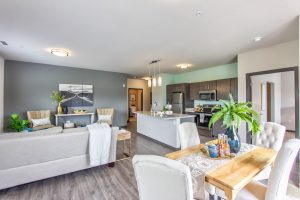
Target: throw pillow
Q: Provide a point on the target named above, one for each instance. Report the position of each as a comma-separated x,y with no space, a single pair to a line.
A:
40,122
104,117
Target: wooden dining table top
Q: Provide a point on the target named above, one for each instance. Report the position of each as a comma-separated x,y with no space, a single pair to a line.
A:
238,172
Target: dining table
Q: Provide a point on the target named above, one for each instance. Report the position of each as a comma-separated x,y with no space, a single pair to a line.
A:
229,175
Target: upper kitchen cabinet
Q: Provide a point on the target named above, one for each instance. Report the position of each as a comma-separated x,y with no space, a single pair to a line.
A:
223,88
208,85
234,88
194,90
183,87
169,93
178,87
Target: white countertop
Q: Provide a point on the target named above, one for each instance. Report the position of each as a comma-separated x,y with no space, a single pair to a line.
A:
166,117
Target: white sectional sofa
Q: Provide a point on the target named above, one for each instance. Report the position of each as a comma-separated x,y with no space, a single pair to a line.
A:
27,157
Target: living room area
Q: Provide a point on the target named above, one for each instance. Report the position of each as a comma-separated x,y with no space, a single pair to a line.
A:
167,100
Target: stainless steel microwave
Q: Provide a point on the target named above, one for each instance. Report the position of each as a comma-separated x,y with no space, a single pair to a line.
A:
209,95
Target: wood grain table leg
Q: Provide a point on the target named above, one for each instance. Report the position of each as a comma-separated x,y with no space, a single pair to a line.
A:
230,194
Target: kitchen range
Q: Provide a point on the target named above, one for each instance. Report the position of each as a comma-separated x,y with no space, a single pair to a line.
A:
203,114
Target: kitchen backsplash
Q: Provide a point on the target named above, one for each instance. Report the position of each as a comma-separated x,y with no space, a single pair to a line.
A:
201,102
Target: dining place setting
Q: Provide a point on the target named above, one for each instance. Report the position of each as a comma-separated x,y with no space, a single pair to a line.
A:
223,168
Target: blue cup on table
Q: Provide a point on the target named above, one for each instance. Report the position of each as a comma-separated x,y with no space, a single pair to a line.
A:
213,151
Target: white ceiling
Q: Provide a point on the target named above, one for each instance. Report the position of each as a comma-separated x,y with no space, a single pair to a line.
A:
125,35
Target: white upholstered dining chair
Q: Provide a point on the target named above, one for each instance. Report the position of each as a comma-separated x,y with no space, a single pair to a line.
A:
271,136
160,178
188,135
277,188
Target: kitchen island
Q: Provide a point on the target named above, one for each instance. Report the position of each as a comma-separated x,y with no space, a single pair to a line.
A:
163,129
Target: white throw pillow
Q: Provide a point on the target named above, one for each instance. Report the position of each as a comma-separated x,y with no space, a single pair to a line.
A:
104,117
40,122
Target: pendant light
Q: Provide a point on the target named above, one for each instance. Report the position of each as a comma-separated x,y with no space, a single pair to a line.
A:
159,79
149,80
154,78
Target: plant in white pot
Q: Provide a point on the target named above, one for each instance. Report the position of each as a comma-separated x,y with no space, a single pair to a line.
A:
232,114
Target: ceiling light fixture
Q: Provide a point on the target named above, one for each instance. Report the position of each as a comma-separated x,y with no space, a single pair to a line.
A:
3,43
183,65
153,80
60,52
257,39
199,12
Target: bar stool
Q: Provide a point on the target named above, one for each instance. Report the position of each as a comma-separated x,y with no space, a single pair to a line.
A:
124,136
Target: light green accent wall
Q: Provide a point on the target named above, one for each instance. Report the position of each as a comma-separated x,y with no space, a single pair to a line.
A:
207,74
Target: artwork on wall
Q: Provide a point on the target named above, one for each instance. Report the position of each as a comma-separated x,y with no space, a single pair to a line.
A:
77,95
132,97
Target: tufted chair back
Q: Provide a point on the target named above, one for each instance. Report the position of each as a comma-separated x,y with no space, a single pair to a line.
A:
271,136
188,135
160,178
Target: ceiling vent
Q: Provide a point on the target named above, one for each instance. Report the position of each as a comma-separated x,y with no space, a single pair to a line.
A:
3,43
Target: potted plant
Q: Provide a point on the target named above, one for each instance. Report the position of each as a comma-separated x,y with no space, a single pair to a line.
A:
232,114
16,124
58,98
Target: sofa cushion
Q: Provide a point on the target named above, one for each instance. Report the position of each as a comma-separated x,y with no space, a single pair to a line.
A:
42,127
74,130
56,129
40,122
20,149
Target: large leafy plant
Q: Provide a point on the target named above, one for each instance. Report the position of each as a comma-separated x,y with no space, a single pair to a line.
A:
16,124
57,96
232,114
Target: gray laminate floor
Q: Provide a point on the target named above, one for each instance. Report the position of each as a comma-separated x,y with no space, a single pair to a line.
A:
101,183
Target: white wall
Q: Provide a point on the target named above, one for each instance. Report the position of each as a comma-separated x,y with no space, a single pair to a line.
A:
257,95
273,57
1,92
141,84
288,100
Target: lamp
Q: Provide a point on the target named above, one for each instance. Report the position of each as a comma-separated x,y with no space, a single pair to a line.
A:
153,80
159,79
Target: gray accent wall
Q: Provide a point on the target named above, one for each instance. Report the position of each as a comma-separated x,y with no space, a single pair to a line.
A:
28,86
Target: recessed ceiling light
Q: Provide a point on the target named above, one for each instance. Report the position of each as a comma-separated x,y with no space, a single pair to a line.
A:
199,12
257,39
183,65
60,52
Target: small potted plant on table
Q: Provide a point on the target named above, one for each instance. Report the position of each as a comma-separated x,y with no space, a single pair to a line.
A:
232,114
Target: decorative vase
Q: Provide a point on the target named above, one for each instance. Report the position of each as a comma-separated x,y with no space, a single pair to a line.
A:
59,109
234,139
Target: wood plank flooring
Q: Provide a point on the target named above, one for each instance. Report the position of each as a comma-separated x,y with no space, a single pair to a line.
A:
101,183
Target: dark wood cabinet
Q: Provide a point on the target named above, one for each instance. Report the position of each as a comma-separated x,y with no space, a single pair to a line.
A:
184,88
194,90
169,93
207,85
223,89
234,88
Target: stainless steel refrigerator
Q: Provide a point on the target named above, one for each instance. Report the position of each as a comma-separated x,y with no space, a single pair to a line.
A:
178,102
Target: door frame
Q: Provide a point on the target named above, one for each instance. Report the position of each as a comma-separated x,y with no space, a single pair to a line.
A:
142,100
296,82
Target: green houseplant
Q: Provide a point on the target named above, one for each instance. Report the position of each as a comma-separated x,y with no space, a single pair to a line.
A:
16,124
58,98
232,114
